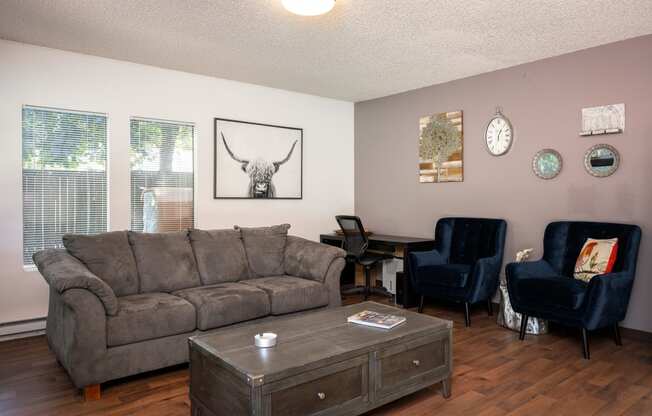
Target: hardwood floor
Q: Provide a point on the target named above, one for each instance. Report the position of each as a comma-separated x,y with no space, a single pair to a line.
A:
494,374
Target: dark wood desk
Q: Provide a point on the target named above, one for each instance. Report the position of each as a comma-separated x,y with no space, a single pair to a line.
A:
399,246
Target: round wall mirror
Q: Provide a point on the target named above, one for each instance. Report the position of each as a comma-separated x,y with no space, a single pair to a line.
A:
601,160
547,163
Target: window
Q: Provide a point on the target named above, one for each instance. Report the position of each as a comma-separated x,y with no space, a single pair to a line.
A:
64,176
161,175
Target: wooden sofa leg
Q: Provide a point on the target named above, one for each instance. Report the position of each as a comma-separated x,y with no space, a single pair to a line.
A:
92,392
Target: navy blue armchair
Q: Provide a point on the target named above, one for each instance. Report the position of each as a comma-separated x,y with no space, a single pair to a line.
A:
465,264
546,288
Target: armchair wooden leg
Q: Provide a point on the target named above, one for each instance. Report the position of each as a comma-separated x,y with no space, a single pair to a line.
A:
467,314
617,338
490,307
367,282
521,334
92,393
585,344
421,304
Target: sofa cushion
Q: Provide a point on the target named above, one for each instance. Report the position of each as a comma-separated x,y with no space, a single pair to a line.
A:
291,294
220,255
552,291
449,275
226,303
265,248
109,257
147,316
165,261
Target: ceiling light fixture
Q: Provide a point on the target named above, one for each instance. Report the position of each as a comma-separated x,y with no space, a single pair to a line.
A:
308,7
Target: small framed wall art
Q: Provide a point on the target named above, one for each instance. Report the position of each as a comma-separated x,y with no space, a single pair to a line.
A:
441,142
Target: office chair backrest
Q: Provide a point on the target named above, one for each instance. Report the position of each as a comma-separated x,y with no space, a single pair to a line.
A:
355,238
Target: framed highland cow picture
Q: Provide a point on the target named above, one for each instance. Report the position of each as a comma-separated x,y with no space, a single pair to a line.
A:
257,161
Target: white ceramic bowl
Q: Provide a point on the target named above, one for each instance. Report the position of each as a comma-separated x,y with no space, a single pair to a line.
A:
265,340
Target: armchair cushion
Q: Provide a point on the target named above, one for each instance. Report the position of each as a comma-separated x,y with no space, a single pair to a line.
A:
165,261
552,291
291,294
148,316
62,271
109,257
265,248
225,303
449,275
220,255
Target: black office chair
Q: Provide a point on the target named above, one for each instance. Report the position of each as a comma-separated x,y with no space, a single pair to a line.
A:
356,243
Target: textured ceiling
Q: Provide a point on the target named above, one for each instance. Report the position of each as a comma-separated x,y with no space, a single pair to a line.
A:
363,49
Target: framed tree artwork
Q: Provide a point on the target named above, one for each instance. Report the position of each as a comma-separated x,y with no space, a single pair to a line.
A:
441,148
257,161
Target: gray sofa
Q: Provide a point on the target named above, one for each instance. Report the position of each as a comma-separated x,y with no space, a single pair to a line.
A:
123,303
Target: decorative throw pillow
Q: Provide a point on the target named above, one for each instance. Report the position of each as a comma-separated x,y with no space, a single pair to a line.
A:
597,257
265,248
165,261
109,257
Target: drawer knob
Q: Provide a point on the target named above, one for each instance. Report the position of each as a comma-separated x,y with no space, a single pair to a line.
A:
321,395
416,363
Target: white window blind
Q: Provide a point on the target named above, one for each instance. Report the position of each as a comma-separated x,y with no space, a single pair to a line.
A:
162,190
64,176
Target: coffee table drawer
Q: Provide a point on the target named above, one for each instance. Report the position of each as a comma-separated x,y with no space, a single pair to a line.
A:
326,391
413,362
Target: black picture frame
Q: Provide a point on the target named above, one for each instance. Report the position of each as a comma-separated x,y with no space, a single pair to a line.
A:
216,120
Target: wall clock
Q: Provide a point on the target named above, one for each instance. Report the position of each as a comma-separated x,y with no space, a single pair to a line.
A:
499,134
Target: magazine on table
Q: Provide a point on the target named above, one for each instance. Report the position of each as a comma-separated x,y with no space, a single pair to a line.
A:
376,319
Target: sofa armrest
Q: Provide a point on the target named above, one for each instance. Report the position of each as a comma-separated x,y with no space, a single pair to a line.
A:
529,268
309,259
607,299
485,278
332,282
76,332
63,272
426,258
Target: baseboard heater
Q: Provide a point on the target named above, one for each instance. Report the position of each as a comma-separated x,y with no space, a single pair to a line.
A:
19,329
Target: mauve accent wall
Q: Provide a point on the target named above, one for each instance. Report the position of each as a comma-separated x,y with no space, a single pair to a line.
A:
543,100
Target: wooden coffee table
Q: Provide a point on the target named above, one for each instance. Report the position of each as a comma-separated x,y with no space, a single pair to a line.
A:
322,365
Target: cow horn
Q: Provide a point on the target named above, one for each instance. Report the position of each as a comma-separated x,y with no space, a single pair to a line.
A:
280,162
237,159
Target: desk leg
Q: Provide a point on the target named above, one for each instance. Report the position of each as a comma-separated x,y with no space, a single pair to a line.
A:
446,387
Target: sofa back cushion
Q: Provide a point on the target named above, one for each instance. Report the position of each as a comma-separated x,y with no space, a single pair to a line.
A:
165,261
265,248
109,257
220,255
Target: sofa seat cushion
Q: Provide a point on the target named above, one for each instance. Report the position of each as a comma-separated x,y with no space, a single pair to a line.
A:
148,316
291,294
226,303
165,261
449,275
552,292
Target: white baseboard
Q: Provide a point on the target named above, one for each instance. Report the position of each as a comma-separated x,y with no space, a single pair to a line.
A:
21,329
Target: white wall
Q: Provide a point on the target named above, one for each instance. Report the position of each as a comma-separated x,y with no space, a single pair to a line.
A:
49,77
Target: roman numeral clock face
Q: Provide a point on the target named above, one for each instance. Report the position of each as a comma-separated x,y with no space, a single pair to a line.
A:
499,135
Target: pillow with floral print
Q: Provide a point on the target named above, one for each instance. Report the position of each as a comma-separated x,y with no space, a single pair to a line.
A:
597,257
